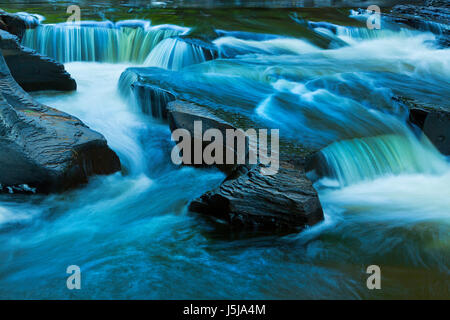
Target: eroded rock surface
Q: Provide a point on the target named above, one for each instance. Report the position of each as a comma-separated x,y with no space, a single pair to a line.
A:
249,199
432,16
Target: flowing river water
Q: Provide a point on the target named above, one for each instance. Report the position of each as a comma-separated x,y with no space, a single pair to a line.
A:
386,200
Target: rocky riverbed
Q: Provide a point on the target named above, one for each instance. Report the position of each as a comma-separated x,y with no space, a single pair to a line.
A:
362,174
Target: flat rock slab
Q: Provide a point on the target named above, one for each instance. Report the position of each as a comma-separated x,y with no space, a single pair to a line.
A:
44,148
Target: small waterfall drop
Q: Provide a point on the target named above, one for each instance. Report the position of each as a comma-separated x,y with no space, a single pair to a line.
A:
151,100
355,33
99,42
351,34
176,53
364,159
143,97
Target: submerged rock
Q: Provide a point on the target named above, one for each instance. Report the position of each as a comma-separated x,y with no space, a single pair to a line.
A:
44,149
31,70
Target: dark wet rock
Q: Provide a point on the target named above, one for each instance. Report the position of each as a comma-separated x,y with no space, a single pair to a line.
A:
433,121
247,198
250,200
435,125
437,11
31,70
151,99
16,24
316,167
182,115
141,83
433,16
44,149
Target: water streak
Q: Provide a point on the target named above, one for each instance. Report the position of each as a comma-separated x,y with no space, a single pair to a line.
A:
100,42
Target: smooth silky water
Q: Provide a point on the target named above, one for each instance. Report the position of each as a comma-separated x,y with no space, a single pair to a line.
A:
386,198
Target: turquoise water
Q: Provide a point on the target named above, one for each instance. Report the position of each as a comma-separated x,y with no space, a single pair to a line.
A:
131,233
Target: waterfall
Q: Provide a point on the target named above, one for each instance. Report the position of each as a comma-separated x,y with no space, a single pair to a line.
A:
146,98
95,41
125,81
176,53
365,33
151,100
362,159
347,33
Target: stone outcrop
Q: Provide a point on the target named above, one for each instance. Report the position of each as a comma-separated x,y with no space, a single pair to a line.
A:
435,124
437,11
249,199
432,16
16,24
44,149
433,121
31,70
182,114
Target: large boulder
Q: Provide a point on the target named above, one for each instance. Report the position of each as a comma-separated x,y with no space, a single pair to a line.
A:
248,198
44,149
31,70
435,124
433,121
17,23
182,115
